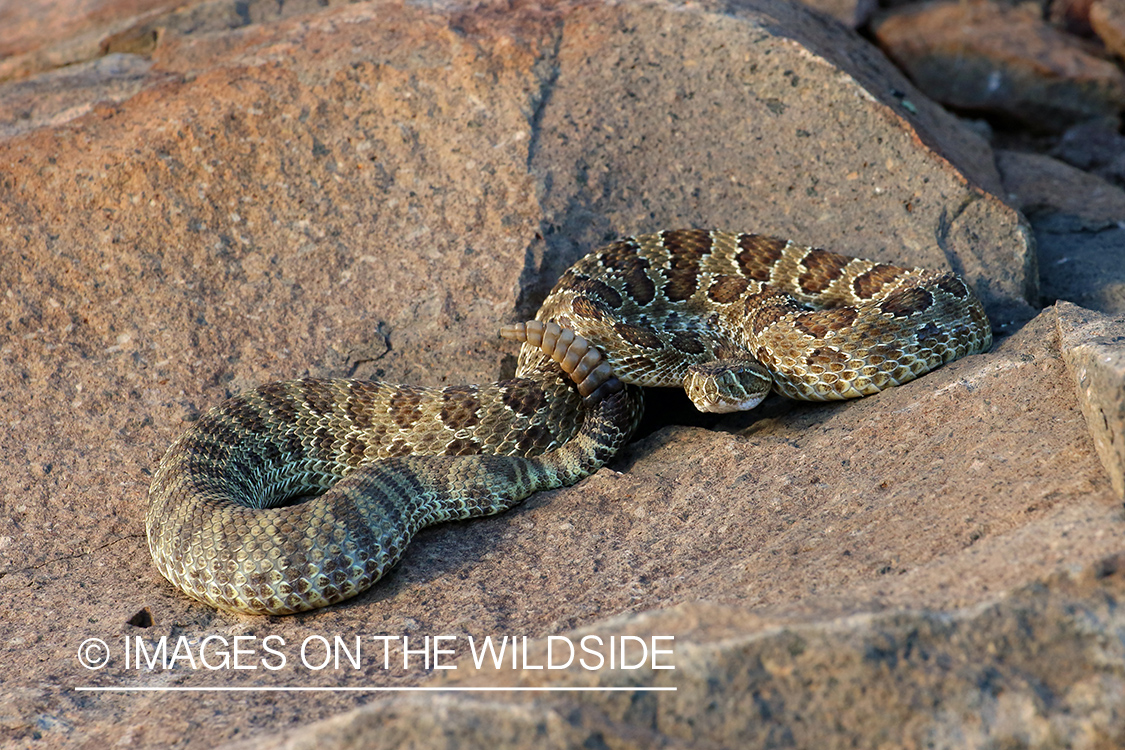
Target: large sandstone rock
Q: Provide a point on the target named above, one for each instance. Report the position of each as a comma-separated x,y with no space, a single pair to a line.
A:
1001,59
1028,670
369,190
1039,185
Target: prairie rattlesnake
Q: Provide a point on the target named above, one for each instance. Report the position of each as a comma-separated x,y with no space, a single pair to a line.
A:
727,316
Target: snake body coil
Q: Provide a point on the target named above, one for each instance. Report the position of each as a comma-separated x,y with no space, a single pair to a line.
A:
727,316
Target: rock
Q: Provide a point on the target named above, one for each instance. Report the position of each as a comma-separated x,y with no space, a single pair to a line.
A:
1107,19
760,104
997,674
1095,147
1093,345
71,91
1085,266
1079,225
1070,16
39,37
1039,184
851,13
1003,60
804,513
369,190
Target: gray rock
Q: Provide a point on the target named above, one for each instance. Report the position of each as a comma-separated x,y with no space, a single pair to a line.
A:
1078,220
851,13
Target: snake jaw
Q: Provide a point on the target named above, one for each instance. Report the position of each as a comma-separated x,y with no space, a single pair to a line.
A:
727,386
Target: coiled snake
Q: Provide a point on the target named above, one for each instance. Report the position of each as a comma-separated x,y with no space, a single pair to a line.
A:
727,316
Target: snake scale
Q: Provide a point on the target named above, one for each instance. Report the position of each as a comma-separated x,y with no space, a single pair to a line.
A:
726,316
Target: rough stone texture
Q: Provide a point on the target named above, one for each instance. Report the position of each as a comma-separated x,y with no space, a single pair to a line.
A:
1028,670
1005,60
1079,225
1038,184
369,190
1070,16
851,13
784,109
1096,147
56,97
1107,19
38,37
1093,345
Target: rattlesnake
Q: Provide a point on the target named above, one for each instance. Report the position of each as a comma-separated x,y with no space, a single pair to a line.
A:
727,316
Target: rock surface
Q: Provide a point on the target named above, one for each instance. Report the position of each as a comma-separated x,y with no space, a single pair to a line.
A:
1107,19
1095,146
851,13
1002,59
1094,348
1040,185
1079,224
369,190
856,682
1070,16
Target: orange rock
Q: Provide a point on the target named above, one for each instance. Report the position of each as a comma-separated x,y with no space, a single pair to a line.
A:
370,190
1107,17
1001,60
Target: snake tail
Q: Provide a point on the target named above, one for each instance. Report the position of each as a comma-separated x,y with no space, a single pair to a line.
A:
212,538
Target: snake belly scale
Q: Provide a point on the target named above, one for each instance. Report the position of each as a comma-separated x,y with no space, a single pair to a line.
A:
727,316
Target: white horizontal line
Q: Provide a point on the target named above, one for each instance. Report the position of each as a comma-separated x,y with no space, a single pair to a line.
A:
371,689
